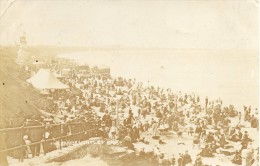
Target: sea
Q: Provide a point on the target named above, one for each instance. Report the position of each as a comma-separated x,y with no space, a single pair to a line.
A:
231,75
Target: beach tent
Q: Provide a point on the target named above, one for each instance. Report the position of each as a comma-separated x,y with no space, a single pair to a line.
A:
45,79
83,67
65,72
58,74
103,69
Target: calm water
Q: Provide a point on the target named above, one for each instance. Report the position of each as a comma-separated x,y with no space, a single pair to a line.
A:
230,75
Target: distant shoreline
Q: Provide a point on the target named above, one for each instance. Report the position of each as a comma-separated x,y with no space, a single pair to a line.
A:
93,58
55,52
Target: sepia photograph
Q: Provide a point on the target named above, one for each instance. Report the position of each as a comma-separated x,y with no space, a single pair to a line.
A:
129,83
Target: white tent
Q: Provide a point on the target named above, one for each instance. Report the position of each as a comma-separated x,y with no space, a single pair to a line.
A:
45,79
103,67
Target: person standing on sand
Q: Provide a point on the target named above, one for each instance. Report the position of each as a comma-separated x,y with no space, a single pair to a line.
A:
198,161
173,160
206,103
180,159
239,118
113,131
186,159
155,129
160,160
35,135
245,113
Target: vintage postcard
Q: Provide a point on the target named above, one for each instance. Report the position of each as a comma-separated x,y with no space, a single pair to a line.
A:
129,83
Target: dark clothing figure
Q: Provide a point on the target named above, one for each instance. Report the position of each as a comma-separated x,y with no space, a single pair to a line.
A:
237,159
158,114
108,122
235,137
198,162
254,123
35,135
173,161
47,144
206,152
222,141
175,126
210,138
206,104
23,153
198,129
240,135
135,134
144,113
129,119
180,161
186,159
245,140
128,143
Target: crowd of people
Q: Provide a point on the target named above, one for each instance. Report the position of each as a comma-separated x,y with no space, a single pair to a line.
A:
126,111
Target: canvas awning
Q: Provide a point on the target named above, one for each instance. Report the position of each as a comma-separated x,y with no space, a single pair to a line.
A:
45,79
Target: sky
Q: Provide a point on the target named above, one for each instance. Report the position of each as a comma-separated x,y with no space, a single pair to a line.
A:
217,24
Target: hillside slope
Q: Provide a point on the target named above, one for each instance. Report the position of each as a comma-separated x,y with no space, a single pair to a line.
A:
15,95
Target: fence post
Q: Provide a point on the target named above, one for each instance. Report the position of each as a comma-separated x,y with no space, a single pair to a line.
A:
22,147
60,135
22,131
4,154
44,139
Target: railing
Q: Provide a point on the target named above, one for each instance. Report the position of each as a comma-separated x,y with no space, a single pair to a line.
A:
69,135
